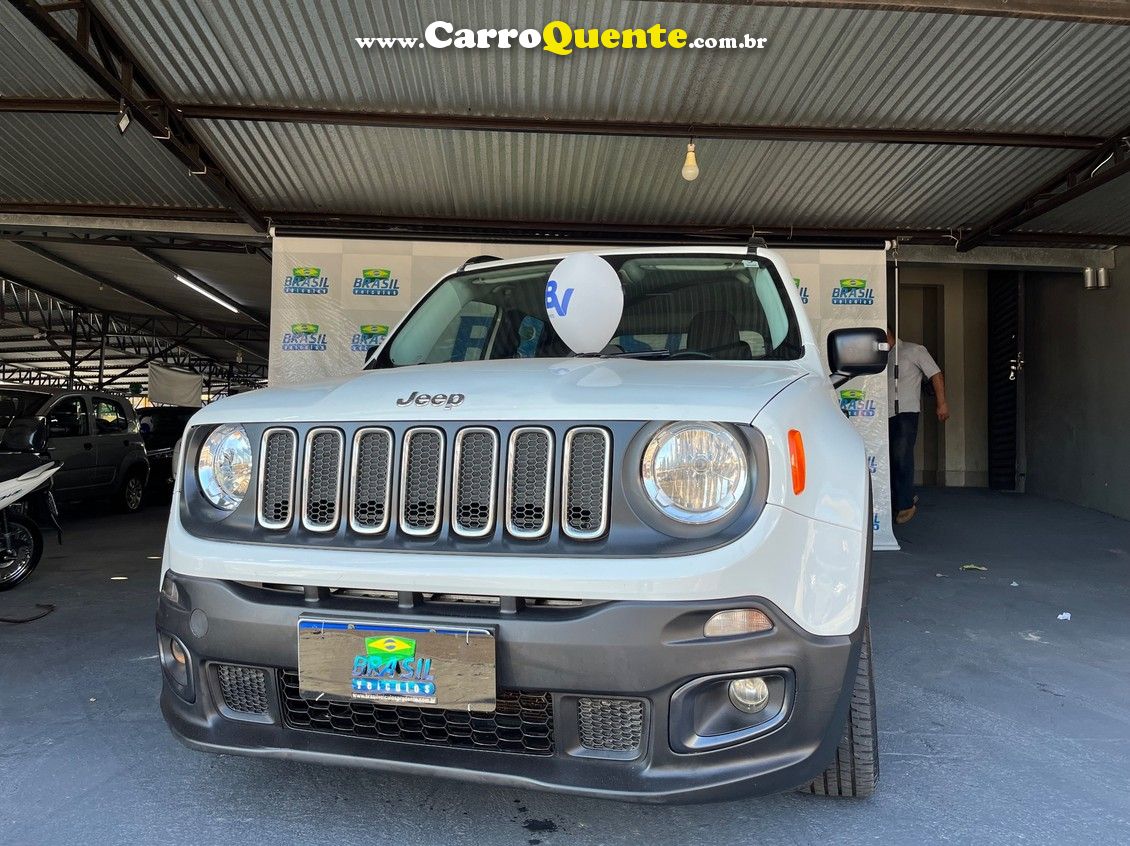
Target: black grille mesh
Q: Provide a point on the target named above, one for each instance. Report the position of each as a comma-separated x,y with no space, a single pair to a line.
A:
529,483
323,480
370,487
611,725
278,478
423,471
586,482
522,722
244,689
474,494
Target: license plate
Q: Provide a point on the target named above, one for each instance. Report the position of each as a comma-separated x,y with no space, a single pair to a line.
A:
427,666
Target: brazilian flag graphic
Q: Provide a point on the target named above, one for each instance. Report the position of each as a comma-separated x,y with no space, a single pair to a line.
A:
390,646
853,283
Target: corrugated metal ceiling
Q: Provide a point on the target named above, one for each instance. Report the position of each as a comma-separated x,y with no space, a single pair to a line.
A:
422,173
860,68
68,158
1105,209
31,66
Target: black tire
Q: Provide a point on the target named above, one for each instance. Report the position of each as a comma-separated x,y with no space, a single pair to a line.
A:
131,495
855,770
21,547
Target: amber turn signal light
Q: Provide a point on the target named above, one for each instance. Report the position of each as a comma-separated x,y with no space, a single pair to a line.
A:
796,460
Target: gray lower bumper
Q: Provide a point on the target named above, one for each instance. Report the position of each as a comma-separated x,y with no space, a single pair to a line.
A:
635,649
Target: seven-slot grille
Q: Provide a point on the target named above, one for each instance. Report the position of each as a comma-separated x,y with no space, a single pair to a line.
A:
417,482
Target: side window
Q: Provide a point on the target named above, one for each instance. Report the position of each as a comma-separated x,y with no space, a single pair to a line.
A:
67,418
110,416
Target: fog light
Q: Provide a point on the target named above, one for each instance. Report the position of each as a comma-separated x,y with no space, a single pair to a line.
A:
737,621
750,694
177,651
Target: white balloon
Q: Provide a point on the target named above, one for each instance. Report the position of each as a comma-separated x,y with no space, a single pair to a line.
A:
584,300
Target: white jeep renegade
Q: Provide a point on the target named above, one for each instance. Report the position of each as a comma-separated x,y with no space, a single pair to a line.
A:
635,573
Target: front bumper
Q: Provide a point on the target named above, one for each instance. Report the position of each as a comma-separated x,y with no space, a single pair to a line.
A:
649,651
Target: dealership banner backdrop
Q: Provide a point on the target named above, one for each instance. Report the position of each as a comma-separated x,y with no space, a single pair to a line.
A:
332,299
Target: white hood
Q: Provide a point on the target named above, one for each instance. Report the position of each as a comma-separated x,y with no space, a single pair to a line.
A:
524,389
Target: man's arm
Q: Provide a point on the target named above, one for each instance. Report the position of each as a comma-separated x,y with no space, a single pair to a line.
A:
939,383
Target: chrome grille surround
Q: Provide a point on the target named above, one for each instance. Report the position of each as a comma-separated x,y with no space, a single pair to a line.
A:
321,479
370,481
474,481
421,498
278,451
586,482
529,481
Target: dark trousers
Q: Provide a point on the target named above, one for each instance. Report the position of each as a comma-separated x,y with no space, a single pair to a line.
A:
903,431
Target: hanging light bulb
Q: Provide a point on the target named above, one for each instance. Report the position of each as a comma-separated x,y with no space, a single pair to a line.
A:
690,164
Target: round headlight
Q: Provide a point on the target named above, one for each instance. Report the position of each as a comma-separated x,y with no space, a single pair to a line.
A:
224,466
695,473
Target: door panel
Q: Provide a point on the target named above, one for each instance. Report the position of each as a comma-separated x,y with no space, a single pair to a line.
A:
1006,379
111,426
70,441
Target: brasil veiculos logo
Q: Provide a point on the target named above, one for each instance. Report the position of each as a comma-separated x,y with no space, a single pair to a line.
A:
803,289
390,667
854,403
306,280
370,335
853,292
376,282
304,337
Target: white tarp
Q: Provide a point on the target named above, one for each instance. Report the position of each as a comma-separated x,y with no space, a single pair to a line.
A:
175,387
334,299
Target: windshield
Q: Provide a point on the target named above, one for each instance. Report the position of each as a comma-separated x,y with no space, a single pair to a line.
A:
724,307
16,403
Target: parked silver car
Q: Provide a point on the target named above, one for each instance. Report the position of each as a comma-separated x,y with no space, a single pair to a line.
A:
93,433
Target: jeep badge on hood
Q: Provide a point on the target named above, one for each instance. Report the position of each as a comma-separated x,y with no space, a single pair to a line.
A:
416,398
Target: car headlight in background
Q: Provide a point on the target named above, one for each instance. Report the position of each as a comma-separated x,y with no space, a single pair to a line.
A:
695,473
224,466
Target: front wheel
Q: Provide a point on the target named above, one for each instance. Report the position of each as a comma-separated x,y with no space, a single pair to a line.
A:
132,493
855,770
21,547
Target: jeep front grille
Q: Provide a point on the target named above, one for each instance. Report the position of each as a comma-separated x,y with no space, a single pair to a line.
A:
584,505
276,477
372,480
474,482
421,482
418,482
529,469
321,480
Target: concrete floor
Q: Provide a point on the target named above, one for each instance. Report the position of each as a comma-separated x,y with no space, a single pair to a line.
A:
999,723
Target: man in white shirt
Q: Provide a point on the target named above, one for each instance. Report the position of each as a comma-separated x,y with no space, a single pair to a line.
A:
909,364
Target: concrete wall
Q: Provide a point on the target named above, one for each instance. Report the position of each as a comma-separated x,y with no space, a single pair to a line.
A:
961,352
1077,384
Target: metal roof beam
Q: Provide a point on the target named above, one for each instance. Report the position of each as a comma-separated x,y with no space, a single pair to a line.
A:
1085,174
115,70
1085,11
463,229
571,126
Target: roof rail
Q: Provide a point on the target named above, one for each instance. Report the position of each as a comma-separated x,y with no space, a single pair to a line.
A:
477,260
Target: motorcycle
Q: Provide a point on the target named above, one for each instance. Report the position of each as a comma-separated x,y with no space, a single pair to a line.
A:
25,499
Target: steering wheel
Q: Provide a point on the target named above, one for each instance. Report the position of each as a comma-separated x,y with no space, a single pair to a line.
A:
690,354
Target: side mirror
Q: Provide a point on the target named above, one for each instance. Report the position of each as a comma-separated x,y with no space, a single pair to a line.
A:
25,434
856,352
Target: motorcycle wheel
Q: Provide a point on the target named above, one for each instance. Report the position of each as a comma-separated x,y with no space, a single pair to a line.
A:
21,547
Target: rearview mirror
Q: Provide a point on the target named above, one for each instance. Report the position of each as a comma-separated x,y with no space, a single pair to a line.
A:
25,434
856,352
